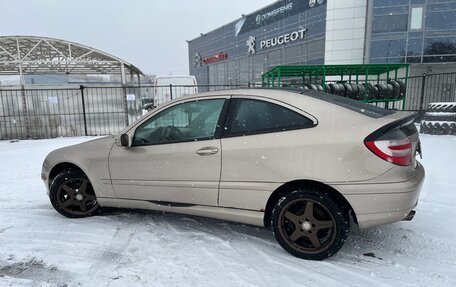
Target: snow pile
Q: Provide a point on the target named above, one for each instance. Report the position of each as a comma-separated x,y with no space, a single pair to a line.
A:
39,247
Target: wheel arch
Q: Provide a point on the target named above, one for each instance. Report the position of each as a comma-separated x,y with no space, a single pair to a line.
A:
58,168
307,184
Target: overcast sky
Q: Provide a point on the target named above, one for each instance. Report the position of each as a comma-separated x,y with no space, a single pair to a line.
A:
150,34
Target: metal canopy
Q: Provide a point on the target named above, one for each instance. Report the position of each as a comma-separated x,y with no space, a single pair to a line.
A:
22,55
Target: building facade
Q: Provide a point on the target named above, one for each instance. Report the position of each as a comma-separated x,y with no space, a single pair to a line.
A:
307,32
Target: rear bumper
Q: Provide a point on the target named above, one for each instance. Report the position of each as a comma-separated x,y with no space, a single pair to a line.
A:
383,203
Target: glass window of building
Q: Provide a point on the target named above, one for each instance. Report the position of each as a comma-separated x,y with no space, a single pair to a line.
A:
416,18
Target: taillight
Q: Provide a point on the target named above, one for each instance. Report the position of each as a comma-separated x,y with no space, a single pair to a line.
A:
398,152
396,142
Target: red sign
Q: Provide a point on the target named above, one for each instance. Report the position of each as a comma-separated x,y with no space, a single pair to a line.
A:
216,58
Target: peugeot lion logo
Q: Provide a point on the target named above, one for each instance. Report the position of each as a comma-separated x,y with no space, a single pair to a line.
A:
198,60
312,3
251,42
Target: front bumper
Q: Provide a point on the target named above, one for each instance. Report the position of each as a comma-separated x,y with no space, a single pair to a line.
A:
383,203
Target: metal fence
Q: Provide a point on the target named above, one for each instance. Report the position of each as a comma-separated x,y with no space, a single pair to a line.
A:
425,89
78,111
89,110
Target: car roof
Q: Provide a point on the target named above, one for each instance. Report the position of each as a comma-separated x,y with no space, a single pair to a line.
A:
314,102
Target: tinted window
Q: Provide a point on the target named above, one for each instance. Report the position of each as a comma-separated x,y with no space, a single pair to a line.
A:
389,23
183,122
253,117
440,46
445,20
388,48
359,107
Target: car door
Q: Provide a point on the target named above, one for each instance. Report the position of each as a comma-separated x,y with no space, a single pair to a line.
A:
175,155
260,149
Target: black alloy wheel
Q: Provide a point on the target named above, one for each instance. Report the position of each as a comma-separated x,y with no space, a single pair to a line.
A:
72,195
309,224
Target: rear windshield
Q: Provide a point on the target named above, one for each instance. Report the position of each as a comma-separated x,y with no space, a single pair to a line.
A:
356,106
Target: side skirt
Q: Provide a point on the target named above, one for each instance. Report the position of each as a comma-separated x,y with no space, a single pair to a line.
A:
229,214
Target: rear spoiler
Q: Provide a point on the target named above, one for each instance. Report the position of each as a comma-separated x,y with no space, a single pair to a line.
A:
383,130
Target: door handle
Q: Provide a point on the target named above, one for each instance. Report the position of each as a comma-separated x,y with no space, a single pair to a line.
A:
207,151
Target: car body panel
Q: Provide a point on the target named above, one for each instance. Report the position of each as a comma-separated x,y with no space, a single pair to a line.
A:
382,203
91,157
237,182
169,172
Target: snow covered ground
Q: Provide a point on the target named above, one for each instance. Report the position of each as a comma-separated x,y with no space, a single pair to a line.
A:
39,247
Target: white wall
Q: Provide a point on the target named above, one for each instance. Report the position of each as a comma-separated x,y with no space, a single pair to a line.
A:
345,31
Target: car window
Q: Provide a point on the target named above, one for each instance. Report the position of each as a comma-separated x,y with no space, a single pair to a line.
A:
190,121
248,117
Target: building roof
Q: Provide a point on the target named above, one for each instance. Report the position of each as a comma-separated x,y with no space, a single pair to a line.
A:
22,55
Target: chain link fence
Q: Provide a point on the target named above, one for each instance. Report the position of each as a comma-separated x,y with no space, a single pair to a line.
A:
88,110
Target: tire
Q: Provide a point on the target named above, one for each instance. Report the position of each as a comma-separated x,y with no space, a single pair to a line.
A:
311,87
382,90
376,93
371,92
72,195
334,89
348,90
435,116
403,87
390,91
396,89
325,224
361,92
327,88
438,128
442,107
319,87
355,91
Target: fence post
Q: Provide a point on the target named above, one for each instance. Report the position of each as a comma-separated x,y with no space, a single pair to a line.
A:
81,87
170,91
25,111
423,87
124,92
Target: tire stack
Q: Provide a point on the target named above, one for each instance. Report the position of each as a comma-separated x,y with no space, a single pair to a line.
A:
389,90
439,119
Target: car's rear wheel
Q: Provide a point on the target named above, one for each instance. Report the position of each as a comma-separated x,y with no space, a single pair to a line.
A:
72,195
309,224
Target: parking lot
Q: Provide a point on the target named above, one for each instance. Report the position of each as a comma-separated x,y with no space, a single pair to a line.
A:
39,247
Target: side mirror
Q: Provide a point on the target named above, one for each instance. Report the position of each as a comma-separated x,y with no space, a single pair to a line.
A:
124,140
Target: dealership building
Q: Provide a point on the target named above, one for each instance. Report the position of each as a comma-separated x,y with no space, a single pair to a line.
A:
316,32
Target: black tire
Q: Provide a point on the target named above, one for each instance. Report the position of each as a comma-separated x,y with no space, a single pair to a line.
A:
438,128
371,92
361,92
324,224
334,89
311,87
396,89
319,87
376,92
389,91
355,91
348,90
442,107
403,87
435,116
327,88
72,195
382,90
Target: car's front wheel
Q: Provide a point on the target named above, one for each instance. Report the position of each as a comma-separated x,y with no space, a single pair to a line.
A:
72,195
310,224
